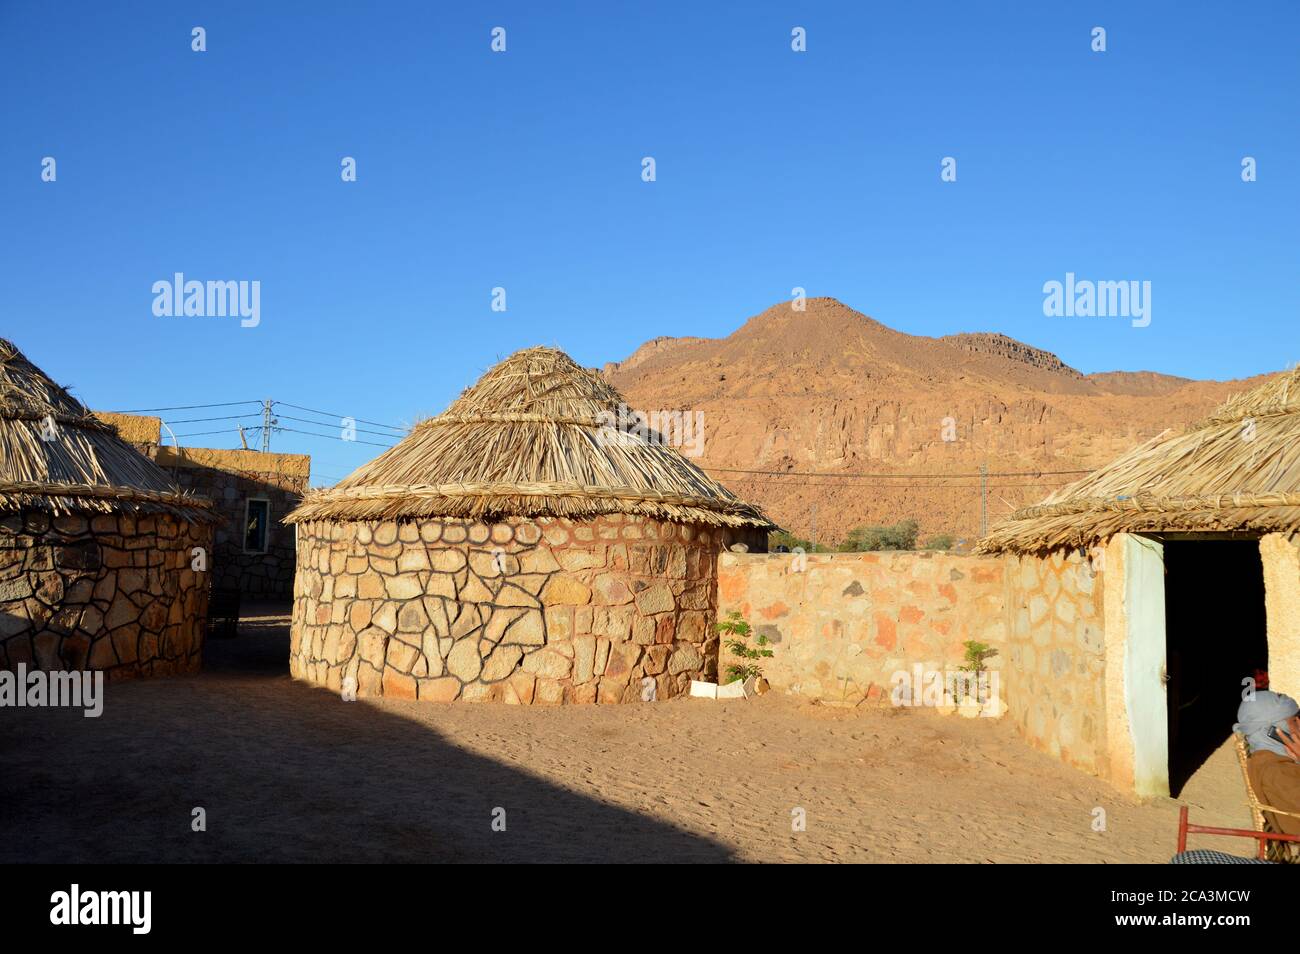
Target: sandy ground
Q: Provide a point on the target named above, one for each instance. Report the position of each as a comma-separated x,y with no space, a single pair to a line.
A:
286,772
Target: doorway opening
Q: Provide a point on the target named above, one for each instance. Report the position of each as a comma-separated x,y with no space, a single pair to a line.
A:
1216,635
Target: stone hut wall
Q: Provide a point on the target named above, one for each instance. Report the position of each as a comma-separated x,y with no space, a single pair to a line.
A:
105,592
543,611
1057,691
843,624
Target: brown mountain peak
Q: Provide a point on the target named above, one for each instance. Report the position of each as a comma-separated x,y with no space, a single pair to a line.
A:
830,390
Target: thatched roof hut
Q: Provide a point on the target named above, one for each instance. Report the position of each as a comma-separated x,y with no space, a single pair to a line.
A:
536,436
1140,599
531,544
102,557
56,456
1237,470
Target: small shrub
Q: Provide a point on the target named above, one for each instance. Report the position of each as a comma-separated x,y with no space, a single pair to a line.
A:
792,543
977,654
899,536
738,645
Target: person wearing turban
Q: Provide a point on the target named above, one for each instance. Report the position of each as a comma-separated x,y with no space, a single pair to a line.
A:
1270,722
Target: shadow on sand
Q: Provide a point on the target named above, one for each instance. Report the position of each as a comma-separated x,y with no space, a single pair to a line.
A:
286,773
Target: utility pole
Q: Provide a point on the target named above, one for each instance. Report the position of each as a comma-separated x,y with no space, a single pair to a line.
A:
266,426
984,500
814,528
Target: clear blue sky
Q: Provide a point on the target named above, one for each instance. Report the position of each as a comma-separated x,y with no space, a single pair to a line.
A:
523,170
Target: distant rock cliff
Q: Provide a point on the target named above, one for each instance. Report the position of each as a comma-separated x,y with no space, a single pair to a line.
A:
830,390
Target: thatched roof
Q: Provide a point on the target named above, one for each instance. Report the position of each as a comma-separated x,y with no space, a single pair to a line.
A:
527,440
83,466
1237,470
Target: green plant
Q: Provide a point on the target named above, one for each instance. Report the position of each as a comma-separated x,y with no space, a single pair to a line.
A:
899,536
739,632
792,543
977,654
940,541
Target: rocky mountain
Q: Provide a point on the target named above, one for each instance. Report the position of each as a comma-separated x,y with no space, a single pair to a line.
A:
904,421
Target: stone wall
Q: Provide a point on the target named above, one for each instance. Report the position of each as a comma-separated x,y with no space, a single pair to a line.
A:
1280,554
1057,692
101,592
229,478
525,611
842,624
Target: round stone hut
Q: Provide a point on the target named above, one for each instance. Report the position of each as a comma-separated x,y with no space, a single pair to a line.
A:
536,543
97,545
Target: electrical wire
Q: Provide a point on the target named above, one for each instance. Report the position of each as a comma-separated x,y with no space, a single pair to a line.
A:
359,430
335,437
182,407
226,417
815,473
234,433
338,417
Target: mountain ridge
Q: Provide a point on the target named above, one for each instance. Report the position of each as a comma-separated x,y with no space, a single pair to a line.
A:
831,390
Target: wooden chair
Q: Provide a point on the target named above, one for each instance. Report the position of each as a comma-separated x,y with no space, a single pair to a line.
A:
1269,842
1280,850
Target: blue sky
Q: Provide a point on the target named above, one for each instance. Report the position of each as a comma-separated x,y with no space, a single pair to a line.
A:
522,169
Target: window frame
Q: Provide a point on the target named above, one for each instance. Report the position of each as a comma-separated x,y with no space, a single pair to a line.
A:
266,530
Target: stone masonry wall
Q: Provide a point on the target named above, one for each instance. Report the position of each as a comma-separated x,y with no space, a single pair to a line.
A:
542,611
101,592
841,624
257,575
1057,651
1280,555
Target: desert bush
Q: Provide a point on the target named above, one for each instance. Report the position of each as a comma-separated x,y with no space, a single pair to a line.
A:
791,542
899,536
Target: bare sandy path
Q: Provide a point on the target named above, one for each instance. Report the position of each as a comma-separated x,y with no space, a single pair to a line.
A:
291,773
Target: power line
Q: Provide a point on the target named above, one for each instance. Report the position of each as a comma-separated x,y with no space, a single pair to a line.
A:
778,483
338,417
359,430
815,473
182,407
336,437
206,433
225,417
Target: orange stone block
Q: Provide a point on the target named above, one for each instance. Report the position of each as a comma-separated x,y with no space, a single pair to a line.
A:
886,631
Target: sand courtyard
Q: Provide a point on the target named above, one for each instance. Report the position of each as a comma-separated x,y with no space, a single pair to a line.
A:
286,772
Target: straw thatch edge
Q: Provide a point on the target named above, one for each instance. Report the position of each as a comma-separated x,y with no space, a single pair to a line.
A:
62,498
1208,477
483,501
1044,528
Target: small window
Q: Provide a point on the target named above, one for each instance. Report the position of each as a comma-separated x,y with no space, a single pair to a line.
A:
257,518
